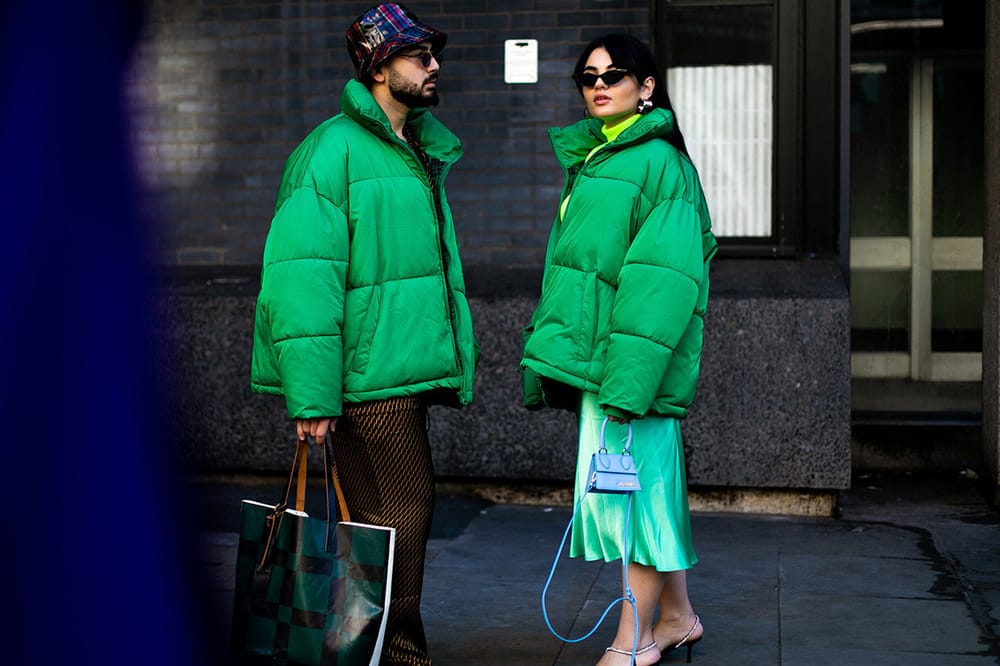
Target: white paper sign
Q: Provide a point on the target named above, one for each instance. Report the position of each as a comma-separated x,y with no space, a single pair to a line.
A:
520,61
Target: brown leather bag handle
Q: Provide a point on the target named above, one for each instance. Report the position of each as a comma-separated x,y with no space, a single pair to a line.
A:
300,483
345,515
299,477
331,475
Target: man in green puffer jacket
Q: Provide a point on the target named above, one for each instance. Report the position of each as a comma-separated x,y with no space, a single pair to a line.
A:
362,318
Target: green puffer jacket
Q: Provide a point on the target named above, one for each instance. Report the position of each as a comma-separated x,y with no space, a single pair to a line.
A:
362,295
626,275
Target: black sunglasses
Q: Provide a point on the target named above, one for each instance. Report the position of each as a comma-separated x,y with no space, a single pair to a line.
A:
610,77
425,57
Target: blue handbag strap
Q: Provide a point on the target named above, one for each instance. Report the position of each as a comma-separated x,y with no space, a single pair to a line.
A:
627,596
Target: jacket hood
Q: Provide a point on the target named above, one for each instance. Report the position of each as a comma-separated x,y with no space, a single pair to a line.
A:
357,103
573,142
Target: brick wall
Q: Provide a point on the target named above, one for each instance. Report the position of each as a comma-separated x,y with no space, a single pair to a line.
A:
222,90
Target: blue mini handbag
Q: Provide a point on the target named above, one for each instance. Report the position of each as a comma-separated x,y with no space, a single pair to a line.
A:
613,472
609,473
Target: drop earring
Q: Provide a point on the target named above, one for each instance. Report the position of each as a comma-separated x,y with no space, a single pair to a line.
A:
645,106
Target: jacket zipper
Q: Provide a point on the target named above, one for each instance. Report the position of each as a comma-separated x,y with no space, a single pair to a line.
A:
437,192
435,189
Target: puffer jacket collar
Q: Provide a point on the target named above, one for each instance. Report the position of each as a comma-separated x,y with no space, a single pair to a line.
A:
357,103
573,142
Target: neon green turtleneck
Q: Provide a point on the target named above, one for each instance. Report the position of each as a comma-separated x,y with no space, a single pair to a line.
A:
610,134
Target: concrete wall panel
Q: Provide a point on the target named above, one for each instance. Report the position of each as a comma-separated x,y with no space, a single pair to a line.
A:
773,408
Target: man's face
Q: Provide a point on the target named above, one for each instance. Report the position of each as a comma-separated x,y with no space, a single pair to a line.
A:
411,75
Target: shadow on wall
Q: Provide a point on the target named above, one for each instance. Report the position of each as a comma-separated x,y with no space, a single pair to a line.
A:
218,97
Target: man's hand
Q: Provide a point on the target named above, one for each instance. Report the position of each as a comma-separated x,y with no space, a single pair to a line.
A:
316,428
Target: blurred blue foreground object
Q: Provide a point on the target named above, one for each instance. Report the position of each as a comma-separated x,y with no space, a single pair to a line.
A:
94,563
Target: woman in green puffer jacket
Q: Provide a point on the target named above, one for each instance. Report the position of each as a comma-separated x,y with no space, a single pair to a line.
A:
617,332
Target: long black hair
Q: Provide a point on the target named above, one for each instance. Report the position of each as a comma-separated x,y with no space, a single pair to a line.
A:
629,53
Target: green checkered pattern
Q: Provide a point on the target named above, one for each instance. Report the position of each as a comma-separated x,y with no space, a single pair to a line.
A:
308,606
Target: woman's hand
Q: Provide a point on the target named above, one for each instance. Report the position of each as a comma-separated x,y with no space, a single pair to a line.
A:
316,428
617,419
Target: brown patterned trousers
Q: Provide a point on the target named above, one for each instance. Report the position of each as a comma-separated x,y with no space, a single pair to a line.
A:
383,459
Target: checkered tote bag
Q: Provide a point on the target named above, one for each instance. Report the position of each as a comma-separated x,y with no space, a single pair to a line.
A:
309,591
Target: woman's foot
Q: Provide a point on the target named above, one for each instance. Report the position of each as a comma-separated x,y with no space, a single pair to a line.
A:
644,656
680,633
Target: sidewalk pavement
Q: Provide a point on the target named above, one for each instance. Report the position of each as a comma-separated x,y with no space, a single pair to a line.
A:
908,574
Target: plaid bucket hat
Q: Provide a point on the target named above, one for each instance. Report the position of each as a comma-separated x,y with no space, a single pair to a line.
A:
383,30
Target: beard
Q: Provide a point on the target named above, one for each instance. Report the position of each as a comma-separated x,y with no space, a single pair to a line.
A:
409,93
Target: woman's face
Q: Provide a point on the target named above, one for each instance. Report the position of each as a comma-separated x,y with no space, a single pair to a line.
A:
613,102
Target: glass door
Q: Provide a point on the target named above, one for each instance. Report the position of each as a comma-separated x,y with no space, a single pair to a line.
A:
916,218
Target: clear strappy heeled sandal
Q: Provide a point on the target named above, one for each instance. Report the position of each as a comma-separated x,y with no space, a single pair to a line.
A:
687,640
628,653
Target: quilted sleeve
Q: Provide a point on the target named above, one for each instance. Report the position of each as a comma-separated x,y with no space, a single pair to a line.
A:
657,294
530,381
302,299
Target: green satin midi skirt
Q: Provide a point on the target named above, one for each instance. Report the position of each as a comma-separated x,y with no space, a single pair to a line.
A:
660,524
